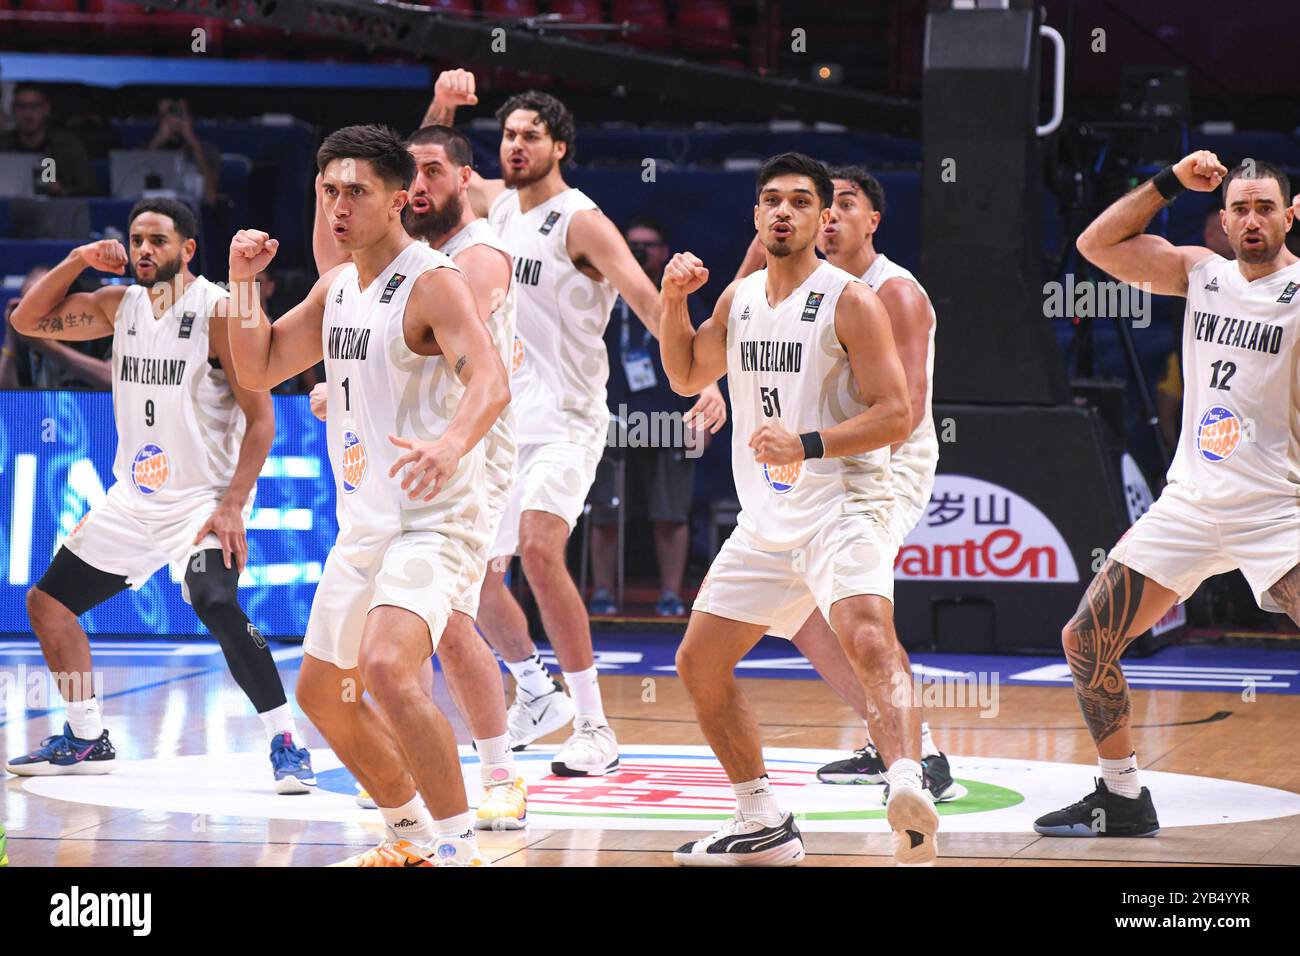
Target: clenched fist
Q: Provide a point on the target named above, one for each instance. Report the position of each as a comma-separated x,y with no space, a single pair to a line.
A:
106,255
684,274
1200,171
318,399
251,251
455,88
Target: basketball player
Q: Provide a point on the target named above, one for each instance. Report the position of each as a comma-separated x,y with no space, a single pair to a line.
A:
191,441
440,215
819,395
570,264
1233,493
848,242
414,385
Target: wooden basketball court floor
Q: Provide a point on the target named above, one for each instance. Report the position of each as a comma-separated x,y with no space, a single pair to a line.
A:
169,715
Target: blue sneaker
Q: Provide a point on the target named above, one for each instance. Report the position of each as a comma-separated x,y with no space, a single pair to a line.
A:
66,754
292,766
670,605
602,603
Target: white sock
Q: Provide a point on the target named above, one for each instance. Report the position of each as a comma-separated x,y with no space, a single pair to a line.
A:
904,773
756,801
530,675
496,762
586,693
928,749
85,719
867,727
278,721
410,821
1121,776
459,827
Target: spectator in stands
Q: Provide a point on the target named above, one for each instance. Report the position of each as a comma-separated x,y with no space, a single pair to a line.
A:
1169,390
27,362
32,133
659,480
176,131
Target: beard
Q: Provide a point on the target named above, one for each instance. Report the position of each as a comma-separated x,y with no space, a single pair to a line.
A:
165,272
436,223
1255,255
514,180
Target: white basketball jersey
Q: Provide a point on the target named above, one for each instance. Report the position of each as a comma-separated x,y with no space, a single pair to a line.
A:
499,443
178,425
562,365
786,366
376,387
917,458
1239,451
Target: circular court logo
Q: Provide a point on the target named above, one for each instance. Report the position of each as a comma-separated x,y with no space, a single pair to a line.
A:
668,788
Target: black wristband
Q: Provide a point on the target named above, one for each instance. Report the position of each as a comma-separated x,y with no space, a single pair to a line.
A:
812,445
1167,184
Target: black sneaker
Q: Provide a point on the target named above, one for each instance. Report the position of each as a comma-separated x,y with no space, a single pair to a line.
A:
936,777
865,766
745,843
1103,814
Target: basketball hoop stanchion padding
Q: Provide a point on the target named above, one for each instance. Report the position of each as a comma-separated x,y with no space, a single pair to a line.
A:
1027,503
981,209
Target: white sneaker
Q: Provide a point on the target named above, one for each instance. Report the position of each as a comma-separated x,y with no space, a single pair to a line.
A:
591,751
915,823
532,717
746,843
458,851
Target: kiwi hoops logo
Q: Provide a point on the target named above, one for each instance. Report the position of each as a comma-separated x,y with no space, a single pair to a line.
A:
150,469
517,356
783,478
354,461
1218,434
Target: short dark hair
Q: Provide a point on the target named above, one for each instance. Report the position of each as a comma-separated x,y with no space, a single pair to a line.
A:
797,164
29,87
556,116
647,222
381,146
182,216
1261,170
868,183
457,144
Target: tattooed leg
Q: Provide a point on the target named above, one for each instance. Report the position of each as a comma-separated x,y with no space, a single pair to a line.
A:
1119,605
1287,593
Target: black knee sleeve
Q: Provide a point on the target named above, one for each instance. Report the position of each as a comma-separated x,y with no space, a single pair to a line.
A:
213,590
77,585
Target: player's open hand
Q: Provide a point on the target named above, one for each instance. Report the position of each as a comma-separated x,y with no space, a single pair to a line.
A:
684,274
432,463
1200,171
106,255
775,446
709,412
251,251
455,88
317,400
227,523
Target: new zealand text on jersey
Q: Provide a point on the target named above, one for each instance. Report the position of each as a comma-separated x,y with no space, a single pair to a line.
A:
1241,333
764,355
348,343
152,371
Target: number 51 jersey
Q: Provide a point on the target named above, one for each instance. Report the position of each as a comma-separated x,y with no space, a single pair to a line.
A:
1238,453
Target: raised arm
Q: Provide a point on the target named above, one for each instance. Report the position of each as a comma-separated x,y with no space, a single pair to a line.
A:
454,89
1116,243
693,358
48,312
265,355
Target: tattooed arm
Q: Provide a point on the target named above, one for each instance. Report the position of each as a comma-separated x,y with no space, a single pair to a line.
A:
1287,593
